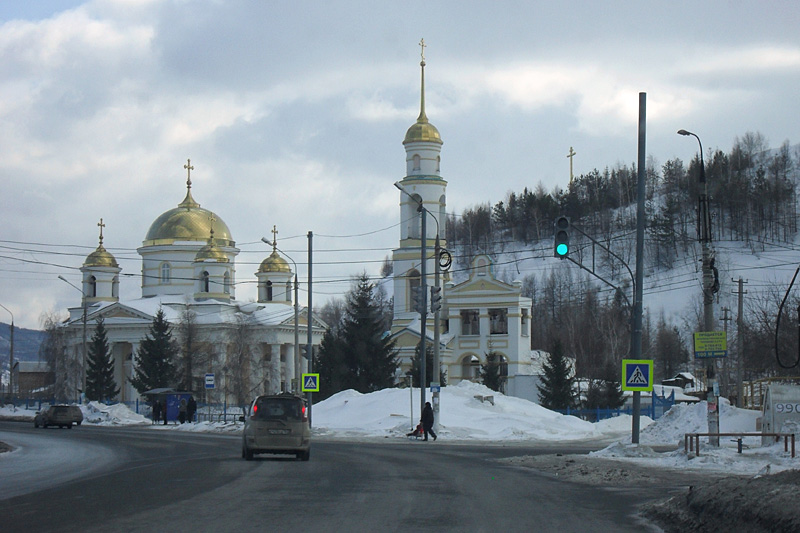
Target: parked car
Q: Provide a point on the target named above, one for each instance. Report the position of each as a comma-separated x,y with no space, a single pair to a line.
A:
59,415
277,424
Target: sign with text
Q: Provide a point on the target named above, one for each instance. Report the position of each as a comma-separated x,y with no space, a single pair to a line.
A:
210,382
710,344
637,375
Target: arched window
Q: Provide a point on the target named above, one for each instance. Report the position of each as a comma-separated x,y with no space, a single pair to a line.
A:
289,291
115,287
204,282
92,287
413,287
227,283
416,162
438,162
165,272
269,291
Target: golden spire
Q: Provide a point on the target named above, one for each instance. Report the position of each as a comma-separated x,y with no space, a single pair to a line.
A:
188,201
422,117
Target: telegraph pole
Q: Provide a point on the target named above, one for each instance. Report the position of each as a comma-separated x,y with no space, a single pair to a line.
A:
740,345
423,305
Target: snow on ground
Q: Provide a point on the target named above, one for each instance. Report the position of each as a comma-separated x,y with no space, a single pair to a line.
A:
467,415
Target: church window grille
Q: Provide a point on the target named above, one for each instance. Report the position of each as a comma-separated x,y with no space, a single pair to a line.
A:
115,287
205,282
92,287
470,322
438,162
288,291
269,291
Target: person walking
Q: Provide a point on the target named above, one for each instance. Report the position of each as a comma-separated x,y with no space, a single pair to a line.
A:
191,409
427,421
157,412
182,411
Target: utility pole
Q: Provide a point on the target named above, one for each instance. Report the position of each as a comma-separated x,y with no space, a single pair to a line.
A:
725,380
436,335
423,305
309,339
740,345
636,319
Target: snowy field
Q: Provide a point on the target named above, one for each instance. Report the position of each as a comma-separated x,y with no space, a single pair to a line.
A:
467,416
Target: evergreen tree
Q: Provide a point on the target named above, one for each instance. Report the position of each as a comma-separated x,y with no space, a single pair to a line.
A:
359,355
100,383
155,359
490,372
556,391
415,365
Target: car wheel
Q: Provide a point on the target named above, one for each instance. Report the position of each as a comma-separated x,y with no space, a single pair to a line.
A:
247,453
69,426
36,423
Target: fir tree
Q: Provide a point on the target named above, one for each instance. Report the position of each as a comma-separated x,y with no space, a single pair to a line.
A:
556,391
155,359
100,383
415,365
490,372
359,355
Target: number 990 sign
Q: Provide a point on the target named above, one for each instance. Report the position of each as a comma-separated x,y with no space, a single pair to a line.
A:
787,407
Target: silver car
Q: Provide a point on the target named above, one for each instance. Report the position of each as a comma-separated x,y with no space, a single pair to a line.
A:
277,424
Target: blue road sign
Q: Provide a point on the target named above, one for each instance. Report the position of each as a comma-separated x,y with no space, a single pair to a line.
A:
637,375
310,382
210,382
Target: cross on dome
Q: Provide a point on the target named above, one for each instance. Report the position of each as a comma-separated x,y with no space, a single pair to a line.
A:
188,166
274,238
101,225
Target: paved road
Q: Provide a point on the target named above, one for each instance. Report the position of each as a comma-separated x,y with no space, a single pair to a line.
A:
151,480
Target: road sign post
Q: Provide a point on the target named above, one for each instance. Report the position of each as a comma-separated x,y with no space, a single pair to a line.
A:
310,382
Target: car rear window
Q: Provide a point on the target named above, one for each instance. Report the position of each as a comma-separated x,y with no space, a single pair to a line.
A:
278,409
60,410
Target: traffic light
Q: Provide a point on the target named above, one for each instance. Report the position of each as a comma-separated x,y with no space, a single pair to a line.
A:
436,299
561,237
418,299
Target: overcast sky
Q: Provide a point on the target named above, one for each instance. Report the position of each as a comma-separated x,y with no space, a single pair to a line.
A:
293,114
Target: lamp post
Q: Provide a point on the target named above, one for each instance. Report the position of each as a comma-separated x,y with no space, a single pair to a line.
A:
10,354
82,377
296,365
423,305
704,236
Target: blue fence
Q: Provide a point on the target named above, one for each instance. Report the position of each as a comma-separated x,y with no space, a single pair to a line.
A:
654,409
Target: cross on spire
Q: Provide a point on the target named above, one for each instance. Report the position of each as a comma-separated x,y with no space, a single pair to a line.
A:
422,45
274,238
188,166
101,225
572,153
212,219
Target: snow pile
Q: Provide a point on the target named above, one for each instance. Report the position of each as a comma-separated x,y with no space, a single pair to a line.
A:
111,415
693,418
466,412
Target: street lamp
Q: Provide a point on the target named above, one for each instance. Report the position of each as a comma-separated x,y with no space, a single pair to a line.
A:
10,354
709,285
83,362
423,305
296,364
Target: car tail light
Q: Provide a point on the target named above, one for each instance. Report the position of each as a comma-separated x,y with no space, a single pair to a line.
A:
305,414
255,409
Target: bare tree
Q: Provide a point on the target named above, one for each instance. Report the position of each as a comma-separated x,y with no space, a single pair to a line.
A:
193,353
54,352
243,376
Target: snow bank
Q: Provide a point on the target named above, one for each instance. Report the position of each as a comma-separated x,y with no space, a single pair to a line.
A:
111,415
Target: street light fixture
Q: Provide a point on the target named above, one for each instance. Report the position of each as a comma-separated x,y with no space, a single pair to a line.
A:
296,364
10,354
709,285
83,362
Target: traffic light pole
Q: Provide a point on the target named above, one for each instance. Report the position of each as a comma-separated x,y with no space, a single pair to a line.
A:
423,307
436,302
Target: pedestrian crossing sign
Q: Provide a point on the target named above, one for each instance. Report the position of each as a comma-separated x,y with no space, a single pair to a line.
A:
637,375
310,382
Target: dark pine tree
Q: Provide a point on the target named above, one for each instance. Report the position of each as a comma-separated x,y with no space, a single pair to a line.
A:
100,383
415,366
360,354
155,359
490,372
556,390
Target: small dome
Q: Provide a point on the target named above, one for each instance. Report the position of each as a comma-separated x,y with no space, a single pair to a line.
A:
211,253
100,258
423,131
274,263
188,222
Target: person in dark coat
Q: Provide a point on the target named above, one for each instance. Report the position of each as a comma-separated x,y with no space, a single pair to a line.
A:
157,412
182,411
191,409
427,421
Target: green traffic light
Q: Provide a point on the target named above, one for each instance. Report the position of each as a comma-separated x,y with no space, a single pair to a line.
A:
562,249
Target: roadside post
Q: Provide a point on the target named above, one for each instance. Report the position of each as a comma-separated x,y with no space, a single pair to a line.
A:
211,384
711,345
637,377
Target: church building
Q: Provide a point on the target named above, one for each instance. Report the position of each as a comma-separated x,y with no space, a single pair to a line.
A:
189,272
480,314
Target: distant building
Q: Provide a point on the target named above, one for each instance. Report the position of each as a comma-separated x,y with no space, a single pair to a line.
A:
188,269
480,314
34,379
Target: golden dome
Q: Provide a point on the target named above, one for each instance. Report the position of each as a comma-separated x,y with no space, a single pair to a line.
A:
100,258
211,252
274,263
423,132
188,222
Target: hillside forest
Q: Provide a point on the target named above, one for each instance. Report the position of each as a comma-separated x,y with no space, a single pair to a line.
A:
753,203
